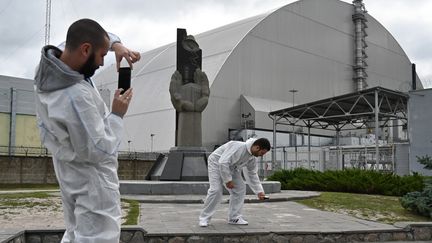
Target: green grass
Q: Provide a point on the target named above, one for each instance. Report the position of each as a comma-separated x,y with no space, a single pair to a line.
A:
11,187
132,216
385,209
25,195
13,200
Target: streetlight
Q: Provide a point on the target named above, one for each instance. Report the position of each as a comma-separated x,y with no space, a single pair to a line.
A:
151,138
293,91
129,142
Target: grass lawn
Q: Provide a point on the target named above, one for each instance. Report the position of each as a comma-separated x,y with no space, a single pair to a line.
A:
12,187
384,209
133,212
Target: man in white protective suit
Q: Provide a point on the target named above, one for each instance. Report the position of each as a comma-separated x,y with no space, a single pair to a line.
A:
224,169
81,133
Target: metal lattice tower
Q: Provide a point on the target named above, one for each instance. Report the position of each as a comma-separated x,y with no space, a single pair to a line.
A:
47,21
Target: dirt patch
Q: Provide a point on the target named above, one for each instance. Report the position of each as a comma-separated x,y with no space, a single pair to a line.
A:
36,213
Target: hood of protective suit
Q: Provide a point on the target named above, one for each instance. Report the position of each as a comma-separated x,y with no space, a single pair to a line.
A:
249,143
52,74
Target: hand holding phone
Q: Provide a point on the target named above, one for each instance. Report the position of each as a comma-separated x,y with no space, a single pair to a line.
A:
124,78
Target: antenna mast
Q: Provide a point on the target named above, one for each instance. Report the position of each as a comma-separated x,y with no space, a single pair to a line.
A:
47,21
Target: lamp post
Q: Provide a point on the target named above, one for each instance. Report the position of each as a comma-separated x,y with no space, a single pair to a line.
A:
151,138
129,142
293,91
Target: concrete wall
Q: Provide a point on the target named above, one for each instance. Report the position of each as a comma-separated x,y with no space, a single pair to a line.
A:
17,104
26,131
39,170
4,129
420,135
401,159
26,170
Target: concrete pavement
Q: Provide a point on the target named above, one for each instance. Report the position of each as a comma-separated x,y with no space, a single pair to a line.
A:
177,215
174,218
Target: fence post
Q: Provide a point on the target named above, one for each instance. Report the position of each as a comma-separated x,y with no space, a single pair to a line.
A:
12,125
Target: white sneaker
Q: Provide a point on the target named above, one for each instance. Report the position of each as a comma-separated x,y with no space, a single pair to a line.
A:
203,223
238,221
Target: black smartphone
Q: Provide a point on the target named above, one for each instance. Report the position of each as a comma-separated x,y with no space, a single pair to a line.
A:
124,78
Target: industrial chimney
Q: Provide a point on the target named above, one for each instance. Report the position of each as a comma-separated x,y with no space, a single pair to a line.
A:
360,34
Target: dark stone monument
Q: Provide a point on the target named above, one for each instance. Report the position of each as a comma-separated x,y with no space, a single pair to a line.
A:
189,89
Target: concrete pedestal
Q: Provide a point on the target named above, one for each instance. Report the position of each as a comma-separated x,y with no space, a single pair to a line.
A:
181,164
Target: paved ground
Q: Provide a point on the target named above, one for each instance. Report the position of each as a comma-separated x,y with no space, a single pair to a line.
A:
279,214
178,214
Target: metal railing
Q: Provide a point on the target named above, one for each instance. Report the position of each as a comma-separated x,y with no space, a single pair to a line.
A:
365,158
288,158
148,156
329,158
43,152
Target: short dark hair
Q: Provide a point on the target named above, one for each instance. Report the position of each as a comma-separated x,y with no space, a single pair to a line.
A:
85,31
263,143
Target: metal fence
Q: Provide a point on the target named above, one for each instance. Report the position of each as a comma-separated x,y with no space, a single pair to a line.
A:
43,152
147,156
365,157
329,158
24,151
288,158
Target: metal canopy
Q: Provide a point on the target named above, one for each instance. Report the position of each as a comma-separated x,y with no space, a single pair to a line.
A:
356,110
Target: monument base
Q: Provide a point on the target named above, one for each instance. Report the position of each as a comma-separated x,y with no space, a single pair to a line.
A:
181,164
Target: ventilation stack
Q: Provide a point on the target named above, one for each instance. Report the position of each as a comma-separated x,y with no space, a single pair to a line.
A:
360,34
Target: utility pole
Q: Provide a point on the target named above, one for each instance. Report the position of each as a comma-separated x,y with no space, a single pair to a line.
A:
47,21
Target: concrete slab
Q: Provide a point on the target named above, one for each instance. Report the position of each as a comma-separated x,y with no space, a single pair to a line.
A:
8,234
173,218
277,217
181,187
286,195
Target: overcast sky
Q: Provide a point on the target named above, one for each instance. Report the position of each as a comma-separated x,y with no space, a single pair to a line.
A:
145,24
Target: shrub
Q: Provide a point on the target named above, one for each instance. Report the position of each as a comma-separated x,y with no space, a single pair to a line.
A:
350,180
420,201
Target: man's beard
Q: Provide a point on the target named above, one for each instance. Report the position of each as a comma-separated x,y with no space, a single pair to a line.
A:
89,67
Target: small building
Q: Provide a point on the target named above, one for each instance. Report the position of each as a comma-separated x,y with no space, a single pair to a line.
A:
18,129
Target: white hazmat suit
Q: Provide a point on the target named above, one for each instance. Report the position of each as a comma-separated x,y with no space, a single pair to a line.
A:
83,137
225,165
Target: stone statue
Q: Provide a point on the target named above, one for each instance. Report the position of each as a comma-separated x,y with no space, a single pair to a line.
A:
189,89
